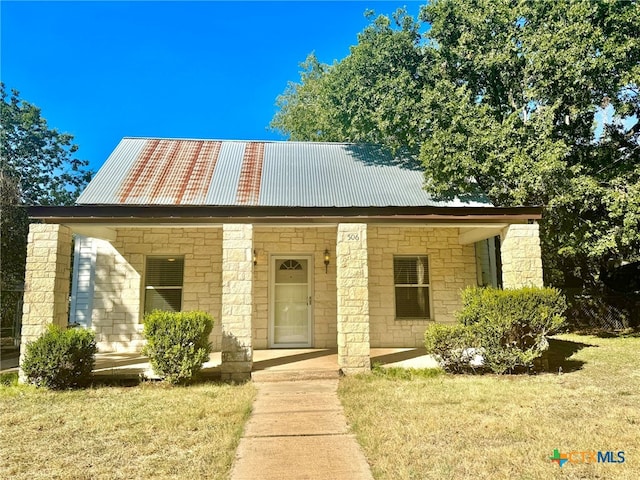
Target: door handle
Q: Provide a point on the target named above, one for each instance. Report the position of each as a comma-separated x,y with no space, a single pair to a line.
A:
309,301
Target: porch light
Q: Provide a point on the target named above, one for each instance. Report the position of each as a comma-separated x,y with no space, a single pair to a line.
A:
255,258
326,260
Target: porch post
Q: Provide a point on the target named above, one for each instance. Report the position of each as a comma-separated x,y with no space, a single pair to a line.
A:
237,301
521,256
47,275
352,280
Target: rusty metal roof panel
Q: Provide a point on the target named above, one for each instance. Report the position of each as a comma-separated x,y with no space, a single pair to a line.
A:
277,174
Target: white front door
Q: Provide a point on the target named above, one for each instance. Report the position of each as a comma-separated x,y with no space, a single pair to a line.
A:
291,298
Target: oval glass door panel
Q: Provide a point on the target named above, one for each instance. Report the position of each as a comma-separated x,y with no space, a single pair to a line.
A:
291,302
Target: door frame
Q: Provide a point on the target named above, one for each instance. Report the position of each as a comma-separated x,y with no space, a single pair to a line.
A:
273,258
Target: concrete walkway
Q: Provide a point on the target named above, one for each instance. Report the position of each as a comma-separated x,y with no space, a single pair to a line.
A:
298,431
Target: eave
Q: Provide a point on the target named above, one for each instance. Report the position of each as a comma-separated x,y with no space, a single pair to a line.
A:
171,214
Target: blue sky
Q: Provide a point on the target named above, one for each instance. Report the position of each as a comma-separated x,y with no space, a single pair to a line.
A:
105,70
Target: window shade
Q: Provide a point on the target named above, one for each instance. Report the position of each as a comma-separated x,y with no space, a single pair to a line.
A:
164,271
411,270
411,276
163,284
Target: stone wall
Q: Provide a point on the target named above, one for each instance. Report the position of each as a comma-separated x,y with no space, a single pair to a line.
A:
521,256
46,295
352,281
237,296
452,267
118,297
119,290
301,241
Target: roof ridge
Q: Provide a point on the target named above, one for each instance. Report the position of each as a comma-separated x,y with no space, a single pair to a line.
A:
194,139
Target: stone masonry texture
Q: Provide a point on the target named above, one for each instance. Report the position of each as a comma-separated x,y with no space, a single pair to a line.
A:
46,296
521,256
118,303
237,301
352,280
119,291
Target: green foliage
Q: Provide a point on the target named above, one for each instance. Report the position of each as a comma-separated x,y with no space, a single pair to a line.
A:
372,96
9,379
532,103
61,358
14,224
37,167
41,159
516,109
401,373
177,343
511,326
531,311
508,328
453,345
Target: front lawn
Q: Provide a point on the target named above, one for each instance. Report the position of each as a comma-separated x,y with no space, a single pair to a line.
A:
504,427
145,431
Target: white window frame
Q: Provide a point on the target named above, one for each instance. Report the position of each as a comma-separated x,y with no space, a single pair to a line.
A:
417,285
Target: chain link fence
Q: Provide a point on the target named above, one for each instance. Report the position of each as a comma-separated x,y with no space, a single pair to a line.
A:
600,310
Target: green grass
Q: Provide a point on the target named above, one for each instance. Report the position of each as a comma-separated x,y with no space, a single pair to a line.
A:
427,426
113,432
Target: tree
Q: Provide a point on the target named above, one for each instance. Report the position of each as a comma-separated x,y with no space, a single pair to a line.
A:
41,159
504,97
371,96
37,167
515,110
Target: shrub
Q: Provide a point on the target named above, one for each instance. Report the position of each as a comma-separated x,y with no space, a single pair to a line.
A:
454,346
177,343
511,325
60,358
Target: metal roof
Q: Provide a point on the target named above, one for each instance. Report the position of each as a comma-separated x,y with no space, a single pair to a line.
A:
147,171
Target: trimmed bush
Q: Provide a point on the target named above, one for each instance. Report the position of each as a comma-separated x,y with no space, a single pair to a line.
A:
453,345
511,326
177,343
507,328
61,358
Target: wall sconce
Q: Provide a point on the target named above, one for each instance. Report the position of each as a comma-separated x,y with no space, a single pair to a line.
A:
255,258
326,260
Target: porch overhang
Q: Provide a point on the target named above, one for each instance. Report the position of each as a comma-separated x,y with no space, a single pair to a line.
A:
141,214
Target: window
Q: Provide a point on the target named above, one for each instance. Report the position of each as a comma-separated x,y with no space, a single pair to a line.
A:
163,284
411,276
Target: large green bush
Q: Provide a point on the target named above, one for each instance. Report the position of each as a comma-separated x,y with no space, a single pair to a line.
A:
60,358
177,343
509,327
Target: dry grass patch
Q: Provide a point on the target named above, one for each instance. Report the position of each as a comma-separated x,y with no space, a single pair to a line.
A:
147,431
504,427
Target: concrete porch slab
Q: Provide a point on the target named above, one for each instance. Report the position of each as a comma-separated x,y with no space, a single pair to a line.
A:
268,365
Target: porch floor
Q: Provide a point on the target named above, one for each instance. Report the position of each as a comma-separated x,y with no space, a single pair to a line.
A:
308,362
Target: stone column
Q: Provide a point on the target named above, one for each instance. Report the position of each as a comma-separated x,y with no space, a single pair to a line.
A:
352,281
237,302
47,275
521,256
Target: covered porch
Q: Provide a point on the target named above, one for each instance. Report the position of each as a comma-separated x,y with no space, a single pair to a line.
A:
230,257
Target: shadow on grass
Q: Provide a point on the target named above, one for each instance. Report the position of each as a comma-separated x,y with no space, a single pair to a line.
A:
559,354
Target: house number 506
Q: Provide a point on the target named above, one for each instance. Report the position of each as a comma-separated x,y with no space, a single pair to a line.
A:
353,237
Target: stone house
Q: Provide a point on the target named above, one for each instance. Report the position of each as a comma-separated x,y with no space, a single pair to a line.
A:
286,244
